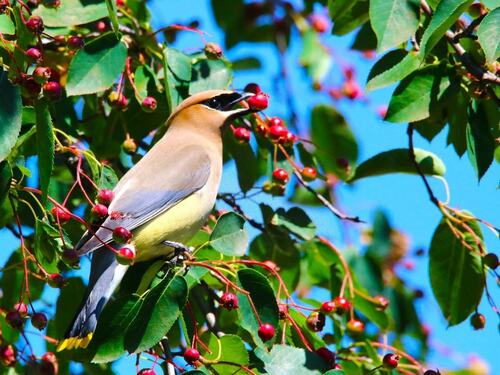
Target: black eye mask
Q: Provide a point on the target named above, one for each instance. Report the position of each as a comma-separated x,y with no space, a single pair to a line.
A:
225,102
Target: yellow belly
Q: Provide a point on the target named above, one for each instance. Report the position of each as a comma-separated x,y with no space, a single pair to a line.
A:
180,223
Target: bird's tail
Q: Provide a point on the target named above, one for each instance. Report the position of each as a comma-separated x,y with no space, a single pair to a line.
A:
105,275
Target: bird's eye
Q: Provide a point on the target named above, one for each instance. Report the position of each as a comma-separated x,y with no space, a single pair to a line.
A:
214,103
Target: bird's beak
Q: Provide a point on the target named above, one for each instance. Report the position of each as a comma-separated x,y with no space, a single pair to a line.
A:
238,97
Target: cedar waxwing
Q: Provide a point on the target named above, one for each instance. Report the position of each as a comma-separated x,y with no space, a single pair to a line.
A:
163,200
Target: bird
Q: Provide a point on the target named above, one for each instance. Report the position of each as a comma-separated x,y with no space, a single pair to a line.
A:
163,200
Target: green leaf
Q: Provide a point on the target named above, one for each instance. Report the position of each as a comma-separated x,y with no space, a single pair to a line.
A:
480,141
333,140
6,25
47,242
314,56
296,221
398,161
95,67
394,21
368,309
210,75
456,273
228,348
392,68
229,237
491,4
44,145
288,360
347,15
489,35
457,120
159,311
10,114
5,179
446,14
365,40
111,6
417,94
263,299
72,12
108,179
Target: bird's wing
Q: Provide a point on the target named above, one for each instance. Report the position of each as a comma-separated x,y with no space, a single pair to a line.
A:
149,192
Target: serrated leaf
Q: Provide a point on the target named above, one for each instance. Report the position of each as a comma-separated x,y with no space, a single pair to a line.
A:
72,13
456,273
365,39
347,15
314,56
392,68
398,161
96,66
44,145
229,237
10,114
394,21
457,120
480,141
287,360
229,349
489,35
296,221
446,14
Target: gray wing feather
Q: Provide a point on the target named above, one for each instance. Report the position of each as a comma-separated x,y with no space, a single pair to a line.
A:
151,196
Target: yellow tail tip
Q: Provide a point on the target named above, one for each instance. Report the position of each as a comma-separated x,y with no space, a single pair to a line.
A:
75,343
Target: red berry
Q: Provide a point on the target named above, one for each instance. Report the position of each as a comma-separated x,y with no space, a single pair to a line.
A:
381,303
213,51
121,3
351,89
99,211
316,321
7,355
369,54
390,360
49,365
327,355
242,135
39,321
34,55
266,332
55,76
280,176
121,102
56,280
491,260
289,139
276,121
477,321
35,25
75,42
277,132
382,111
149,104
42,74
21,308
101,26
335,94
253,88
14,319
191,355
342,305
319,23
52,90
258,102
105,196
327,307
125,256
229,301
71,257
60,213
355,327
348,72
147,371
309,173
121,235
31,88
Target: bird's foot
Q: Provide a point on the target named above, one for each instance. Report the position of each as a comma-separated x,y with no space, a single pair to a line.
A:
181,253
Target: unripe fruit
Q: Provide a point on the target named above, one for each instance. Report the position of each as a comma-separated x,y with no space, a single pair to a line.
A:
355,327
266,332
14,319
71,257
280,176
477,321
60,213
39,321
75,42
41,74
21,308
49,365
52,90
327,307
7,355
129,146
319,23
34,55
121,235
229,301
242,135
258,102
390,360
213,51
191,355
491,260
121,3
342,305
309,173
56,280
316,321
327,355
125,256
99,211
147,371
35,25
253,88
381,303
149,104
105,196
101,26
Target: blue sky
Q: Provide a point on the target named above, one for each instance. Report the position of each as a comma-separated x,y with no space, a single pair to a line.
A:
402,197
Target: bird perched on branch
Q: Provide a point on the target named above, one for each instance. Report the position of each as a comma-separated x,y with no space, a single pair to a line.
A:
163,200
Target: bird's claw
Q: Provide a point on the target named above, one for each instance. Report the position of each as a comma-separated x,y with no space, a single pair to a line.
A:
180,254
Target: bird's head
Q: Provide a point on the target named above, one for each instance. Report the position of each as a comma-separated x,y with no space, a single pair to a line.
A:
211,109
